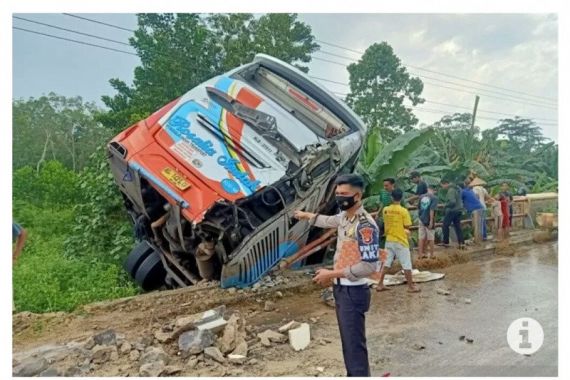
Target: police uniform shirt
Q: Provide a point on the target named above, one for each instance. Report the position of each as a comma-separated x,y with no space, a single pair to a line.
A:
357,235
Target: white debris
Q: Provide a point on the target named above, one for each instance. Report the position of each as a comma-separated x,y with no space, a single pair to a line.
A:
300,337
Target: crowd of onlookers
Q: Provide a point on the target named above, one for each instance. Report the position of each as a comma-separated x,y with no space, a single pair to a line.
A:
470,197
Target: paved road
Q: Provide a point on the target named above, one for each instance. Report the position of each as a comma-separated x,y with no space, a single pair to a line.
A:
501,290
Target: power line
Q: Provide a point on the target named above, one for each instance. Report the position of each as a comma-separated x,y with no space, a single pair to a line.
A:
347,49
198,69
125,52
451,88
541,119
485,111
76,41
72,31
440,73
360,52
492,96
530,101
99,22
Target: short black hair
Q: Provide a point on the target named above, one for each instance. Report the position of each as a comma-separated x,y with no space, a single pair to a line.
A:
390,179
444,181
350,179
414,174
397,195
431,186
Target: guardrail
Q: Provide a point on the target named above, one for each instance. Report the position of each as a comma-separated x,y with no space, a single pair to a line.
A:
523,213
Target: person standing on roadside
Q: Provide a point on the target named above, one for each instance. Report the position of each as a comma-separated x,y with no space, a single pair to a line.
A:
474,207
355,259
453,210
506,192
421,186
397,223
426,233
477,184
385,201
19,236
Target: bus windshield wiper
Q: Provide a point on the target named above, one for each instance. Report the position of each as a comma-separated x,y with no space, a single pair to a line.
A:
265,123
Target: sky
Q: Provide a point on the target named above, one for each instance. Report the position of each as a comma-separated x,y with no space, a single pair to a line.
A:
509,60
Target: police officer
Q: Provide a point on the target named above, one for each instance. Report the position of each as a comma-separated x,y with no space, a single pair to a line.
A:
356,258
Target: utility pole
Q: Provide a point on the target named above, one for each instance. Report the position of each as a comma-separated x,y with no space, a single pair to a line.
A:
474,114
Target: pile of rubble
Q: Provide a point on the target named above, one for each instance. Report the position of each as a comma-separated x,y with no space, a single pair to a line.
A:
214,338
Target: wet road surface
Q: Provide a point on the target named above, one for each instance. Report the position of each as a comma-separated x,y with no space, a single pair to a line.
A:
500,289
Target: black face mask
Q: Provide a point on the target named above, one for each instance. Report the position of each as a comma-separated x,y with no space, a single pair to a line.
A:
345,201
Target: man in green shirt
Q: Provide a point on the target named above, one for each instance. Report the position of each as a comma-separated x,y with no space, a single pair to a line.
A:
453,211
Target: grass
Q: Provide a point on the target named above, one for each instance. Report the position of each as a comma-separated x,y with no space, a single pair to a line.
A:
44,280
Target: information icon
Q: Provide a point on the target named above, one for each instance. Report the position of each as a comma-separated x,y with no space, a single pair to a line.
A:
525,336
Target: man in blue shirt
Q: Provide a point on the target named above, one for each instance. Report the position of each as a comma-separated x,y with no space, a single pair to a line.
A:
473,206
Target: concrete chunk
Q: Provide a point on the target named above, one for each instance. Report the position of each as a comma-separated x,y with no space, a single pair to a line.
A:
215,354
195,341
289,326
300,337
106,338
237,359
269,336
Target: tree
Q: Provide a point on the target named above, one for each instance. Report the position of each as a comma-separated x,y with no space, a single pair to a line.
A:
55,127
181,51
379,87
512,152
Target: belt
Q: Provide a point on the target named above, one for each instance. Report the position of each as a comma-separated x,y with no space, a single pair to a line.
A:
347,282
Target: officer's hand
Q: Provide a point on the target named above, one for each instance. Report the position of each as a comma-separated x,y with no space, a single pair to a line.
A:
323,277
302,215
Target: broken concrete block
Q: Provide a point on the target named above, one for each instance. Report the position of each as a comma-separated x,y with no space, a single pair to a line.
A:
162,336
234,332
215,354
192,362
126,347
300,337
212,320
106,338
103,354
30,367
237,359
269,336
153,369
241,348
269,306
154,354
289,326
90,344
195,341
171,370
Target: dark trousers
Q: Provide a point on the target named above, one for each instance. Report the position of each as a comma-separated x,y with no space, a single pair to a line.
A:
452,217
351,304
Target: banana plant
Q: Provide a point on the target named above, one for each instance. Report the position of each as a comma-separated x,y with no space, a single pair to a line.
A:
379,162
